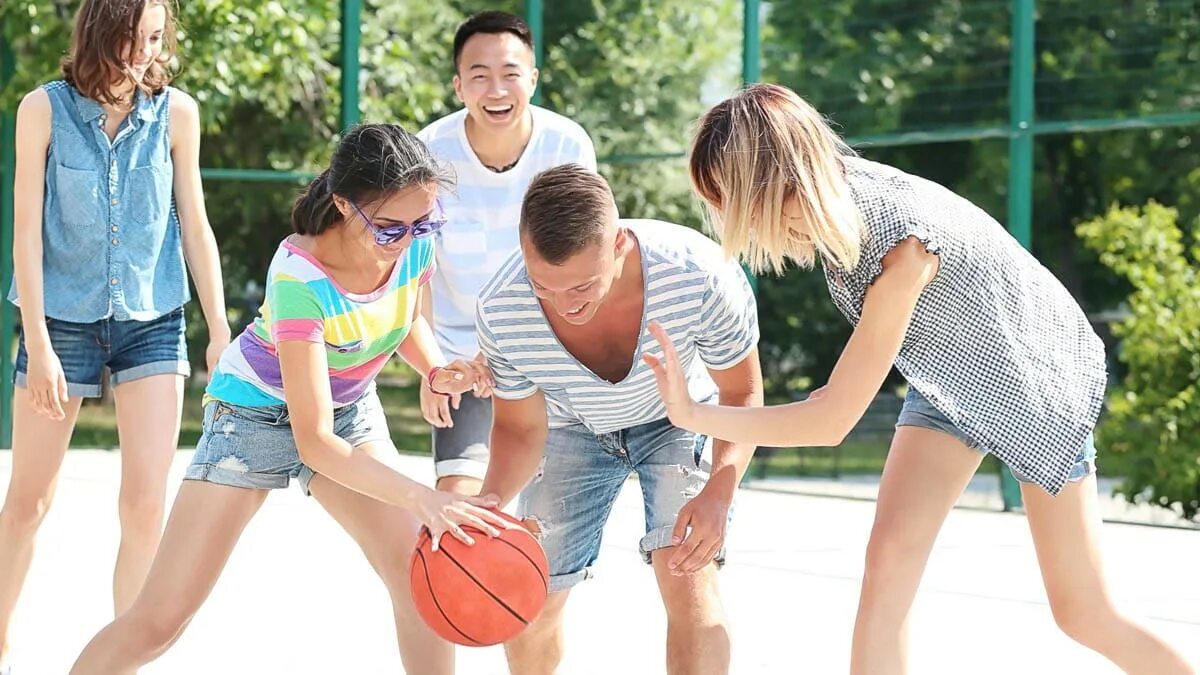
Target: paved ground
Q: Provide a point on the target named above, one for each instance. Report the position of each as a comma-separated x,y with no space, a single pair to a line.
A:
298,599
983,492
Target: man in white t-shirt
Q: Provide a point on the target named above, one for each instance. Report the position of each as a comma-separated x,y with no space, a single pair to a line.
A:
496,143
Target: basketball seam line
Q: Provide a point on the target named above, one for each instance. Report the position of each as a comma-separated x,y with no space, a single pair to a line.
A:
545,581
485,589
438,605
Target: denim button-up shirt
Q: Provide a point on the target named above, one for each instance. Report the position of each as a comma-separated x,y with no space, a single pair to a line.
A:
110,232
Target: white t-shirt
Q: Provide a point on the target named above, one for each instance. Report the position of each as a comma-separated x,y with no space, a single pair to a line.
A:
484,210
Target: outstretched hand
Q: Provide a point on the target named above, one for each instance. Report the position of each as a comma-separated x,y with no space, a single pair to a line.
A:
672,383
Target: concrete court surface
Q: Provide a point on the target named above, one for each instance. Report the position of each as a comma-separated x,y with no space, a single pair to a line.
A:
297,597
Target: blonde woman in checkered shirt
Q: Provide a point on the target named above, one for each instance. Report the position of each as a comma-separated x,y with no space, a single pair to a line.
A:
999,359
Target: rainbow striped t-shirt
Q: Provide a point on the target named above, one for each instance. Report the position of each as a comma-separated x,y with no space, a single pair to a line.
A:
360,332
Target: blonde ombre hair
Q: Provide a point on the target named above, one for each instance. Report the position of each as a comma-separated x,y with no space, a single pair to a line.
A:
766,151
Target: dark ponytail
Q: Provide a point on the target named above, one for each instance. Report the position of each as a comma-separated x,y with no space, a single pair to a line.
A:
314,211
371,162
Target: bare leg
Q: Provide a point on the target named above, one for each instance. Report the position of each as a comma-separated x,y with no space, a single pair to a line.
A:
463,485
39,444
148,413
1066,534
697,633
539,648
924,475
206,522
387,536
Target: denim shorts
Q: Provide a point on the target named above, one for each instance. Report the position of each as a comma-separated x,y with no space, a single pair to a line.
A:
462,450
917,411
131,350
254,447
581,474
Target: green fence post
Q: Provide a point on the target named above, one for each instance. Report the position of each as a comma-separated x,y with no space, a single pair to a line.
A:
751,41
7,174
351,41
751,70
534,12
1020,163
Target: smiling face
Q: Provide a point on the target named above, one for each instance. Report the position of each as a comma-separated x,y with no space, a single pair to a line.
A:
405,207
576,288
495,80
118,45
147,44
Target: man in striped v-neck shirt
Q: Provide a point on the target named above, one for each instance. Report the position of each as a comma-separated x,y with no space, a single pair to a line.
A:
563,327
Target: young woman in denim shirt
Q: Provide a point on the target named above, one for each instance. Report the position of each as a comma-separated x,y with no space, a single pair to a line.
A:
108,207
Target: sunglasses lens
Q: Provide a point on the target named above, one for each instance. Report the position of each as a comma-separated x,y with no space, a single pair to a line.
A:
391,235
428,227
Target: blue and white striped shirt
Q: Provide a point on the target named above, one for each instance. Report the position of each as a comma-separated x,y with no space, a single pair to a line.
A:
703,301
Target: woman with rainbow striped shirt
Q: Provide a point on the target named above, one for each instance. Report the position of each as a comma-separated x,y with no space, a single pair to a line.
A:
294,397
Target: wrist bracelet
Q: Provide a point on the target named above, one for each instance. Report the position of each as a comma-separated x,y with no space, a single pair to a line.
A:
429,380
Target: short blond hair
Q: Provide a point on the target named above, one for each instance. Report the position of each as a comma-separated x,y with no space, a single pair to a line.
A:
759,151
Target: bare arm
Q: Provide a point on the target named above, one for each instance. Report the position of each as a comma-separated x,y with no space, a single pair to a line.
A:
699,533
199,243
46,383
420,350
33,142
860,371
306,388
518,442
739,386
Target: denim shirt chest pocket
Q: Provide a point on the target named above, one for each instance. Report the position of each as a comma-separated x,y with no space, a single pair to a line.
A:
73,176
148,192
78,195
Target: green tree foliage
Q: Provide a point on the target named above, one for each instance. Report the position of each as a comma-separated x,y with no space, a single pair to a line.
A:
880,67
637,74
1153,422
266,76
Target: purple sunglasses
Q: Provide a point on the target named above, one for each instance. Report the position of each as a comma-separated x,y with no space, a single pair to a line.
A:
391,234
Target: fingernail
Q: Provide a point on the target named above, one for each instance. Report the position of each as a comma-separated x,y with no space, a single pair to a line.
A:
674,540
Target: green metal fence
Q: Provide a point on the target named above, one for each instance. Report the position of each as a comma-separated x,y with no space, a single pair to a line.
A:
1021,130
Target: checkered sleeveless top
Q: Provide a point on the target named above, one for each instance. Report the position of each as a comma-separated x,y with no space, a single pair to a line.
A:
996,343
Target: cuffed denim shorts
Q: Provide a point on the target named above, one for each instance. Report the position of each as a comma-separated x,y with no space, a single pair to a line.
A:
917,411
131,350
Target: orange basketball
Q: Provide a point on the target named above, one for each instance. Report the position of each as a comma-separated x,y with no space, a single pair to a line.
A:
483,594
